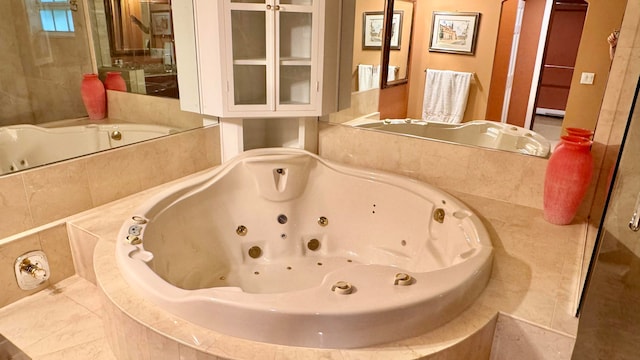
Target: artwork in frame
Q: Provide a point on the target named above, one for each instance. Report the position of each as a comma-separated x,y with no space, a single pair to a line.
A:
161,23
373,26
454,32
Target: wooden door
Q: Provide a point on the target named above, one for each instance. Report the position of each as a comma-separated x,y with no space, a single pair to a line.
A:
565,31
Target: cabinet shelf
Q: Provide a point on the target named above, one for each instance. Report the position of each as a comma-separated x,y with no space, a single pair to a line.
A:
289,61
250,62
294,61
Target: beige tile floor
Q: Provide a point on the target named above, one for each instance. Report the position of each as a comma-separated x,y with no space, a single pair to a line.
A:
62,322
548,126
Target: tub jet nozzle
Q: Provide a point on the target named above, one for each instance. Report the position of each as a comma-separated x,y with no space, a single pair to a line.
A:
342,288
242,230
438,215
403,279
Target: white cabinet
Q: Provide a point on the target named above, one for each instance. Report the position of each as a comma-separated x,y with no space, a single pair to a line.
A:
269,58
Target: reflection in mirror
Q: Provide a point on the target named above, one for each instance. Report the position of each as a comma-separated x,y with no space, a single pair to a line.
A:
397,45
137,39
367,40
45,50
494,44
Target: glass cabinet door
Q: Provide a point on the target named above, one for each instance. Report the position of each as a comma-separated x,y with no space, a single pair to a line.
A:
295,78
273,43
250,28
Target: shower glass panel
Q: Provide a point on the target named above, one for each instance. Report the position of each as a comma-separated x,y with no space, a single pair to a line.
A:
610,313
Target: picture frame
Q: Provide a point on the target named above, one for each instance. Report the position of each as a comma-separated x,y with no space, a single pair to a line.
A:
454,32
373,26
161,23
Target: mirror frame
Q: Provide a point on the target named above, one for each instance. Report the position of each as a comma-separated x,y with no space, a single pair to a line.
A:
386,45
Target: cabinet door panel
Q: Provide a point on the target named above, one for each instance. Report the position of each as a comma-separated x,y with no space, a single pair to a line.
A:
295,35
295,86
250,84
248,35
250,57
295,53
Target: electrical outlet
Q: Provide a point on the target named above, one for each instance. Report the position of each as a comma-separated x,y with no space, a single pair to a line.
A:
587,78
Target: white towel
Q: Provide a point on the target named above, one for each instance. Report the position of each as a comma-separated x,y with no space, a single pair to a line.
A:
445,95
368,77
393,72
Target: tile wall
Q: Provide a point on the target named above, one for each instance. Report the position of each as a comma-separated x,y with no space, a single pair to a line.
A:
35,201
453,168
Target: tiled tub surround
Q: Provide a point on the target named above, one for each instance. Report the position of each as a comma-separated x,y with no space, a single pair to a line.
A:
535,275
37,201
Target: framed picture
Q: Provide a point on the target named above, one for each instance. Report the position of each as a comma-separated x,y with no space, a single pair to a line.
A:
373,26
161,23
454,32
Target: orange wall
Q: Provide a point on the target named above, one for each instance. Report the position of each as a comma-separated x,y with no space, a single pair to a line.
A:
481,63
583,105
501,60
525,61
360,56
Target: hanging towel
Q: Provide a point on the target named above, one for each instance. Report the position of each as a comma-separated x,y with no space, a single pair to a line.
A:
393,72
364,77
368,77
445,95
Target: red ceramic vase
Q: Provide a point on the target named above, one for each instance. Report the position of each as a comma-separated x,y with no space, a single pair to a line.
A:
567,178
580,132
93,97
115,81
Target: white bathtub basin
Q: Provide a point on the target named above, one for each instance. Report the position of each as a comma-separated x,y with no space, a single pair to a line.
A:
243,250
483,133
25,146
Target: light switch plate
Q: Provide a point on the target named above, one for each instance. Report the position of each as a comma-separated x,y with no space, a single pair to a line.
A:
587,78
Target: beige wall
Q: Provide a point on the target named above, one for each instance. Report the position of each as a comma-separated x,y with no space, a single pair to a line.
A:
44,73
14,101
583,105
481,63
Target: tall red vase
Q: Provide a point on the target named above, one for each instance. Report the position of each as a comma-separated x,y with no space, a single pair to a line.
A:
567,179
579,132
115,81
94,97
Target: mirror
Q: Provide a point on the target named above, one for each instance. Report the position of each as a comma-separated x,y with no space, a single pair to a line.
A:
397,43
45,50
406,100
367,45
381,58
140,44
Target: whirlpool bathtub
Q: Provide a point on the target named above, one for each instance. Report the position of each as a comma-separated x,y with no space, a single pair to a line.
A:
482,133
281,246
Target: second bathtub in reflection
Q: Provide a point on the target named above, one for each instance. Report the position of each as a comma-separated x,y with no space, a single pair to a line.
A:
482,133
